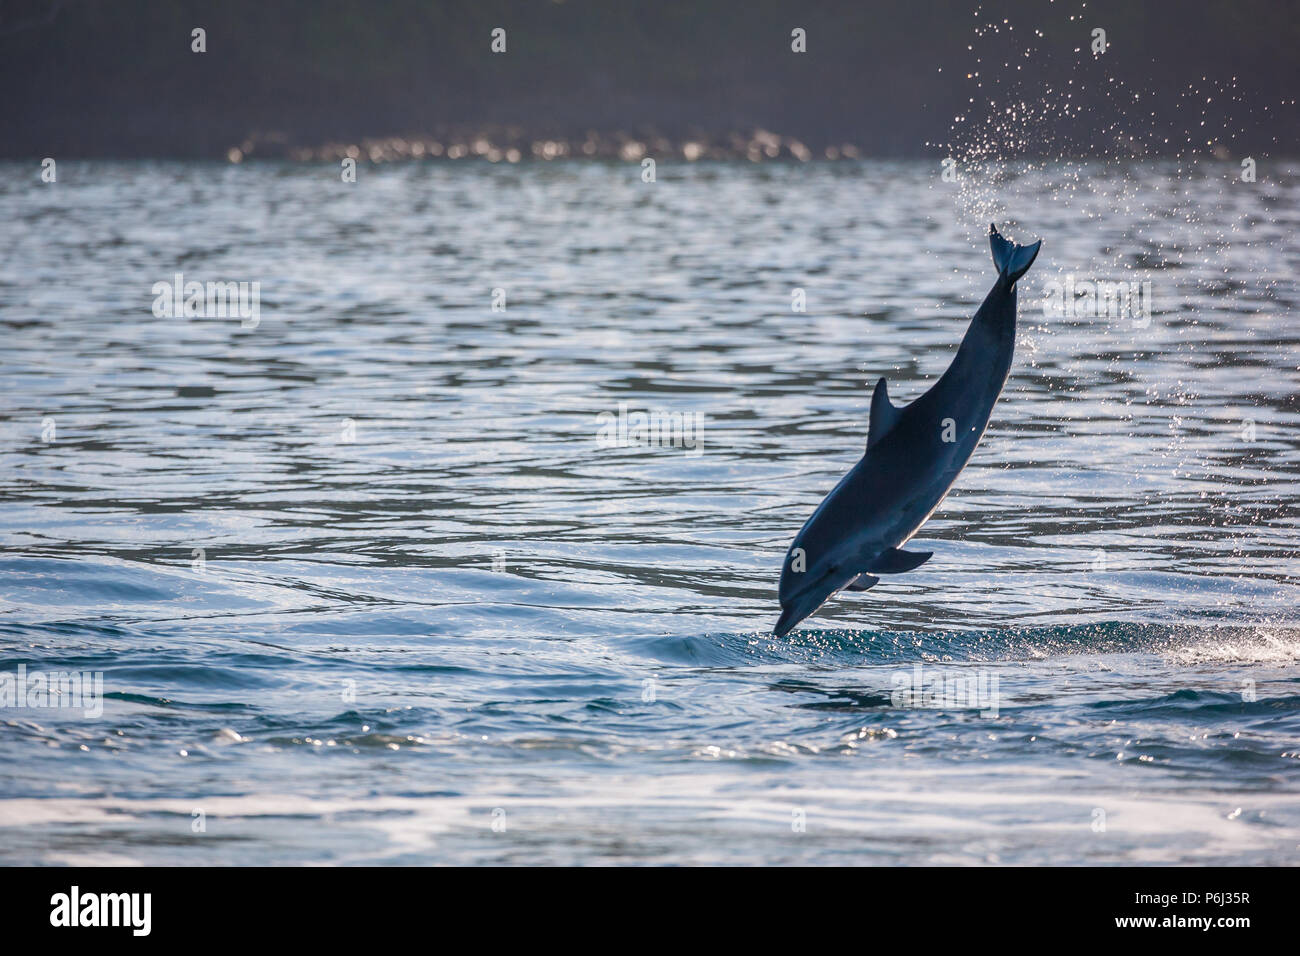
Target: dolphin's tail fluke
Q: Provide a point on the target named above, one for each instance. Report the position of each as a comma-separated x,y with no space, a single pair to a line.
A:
1012,259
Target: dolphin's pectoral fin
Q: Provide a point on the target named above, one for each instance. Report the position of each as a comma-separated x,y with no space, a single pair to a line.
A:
863,582
883,413
896,561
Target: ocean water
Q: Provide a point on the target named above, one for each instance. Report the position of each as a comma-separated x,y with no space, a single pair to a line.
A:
366,580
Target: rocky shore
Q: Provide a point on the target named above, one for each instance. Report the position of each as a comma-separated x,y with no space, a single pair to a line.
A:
514,145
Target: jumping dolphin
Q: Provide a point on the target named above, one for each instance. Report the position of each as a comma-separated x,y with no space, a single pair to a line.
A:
913,456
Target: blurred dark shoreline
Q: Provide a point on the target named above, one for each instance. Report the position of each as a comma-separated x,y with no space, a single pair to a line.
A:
713,79
516,146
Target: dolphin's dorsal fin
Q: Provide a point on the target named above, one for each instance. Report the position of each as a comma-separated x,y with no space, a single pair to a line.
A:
883,413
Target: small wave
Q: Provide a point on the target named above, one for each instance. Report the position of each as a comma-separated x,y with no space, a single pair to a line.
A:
1261,647
1184,643
1201,705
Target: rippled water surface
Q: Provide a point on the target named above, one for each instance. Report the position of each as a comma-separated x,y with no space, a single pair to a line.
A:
364,585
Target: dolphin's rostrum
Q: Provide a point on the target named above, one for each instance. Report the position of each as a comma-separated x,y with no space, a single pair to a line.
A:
913,456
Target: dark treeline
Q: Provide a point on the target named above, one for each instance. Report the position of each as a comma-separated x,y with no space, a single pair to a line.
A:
118,77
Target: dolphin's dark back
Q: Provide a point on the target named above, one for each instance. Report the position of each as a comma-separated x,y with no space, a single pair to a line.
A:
913,455
968,390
